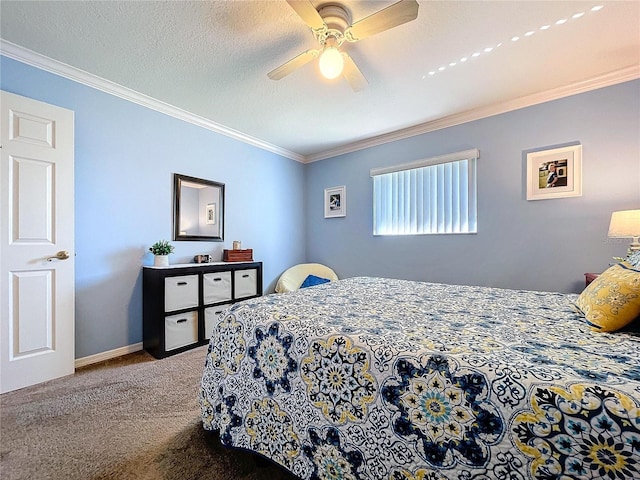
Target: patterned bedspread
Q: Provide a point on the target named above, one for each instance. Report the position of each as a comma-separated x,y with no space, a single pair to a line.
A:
370,378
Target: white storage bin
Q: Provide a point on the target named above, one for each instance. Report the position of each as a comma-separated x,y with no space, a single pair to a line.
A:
211,318
180,330
180,292
246,283
216,287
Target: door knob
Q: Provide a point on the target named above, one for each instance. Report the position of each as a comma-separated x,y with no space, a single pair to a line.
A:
61,255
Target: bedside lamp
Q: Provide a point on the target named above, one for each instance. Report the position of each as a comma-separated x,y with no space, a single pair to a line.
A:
626,224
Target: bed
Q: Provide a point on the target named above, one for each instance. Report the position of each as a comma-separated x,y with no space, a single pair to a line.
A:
372,378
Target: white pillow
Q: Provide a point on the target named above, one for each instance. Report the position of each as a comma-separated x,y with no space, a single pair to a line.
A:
292,278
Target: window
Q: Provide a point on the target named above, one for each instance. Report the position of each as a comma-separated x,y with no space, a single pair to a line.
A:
434,195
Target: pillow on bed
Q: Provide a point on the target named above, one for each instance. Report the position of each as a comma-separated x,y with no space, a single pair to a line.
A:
634,259
312,280
612,300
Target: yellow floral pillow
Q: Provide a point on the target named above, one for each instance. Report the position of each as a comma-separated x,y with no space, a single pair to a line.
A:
612,300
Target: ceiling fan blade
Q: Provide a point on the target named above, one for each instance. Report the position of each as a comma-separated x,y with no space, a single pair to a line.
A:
353,74
308,13
401,12
293,64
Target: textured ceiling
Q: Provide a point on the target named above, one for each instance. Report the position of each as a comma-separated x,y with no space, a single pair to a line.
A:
211,58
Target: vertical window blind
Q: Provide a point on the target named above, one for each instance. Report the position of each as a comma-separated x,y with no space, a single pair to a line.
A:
434,195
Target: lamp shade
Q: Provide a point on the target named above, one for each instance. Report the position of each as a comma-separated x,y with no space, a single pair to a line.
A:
625,223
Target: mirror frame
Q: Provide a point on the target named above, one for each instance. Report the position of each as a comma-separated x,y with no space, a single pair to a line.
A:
178,179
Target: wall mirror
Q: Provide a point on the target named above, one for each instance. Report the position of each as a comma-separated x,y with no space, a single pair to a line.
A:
198,209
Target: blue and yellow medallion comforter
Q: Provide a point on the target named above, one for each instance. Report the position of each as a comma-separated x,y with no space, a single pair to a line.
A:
370,378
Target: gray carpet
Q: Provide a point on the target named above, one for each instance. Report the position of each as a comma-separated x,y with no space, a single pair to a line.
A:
129,418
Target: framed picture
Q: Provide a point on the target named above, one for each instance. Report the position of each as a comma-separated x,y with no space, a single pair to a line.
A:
335,202
555,173
211,214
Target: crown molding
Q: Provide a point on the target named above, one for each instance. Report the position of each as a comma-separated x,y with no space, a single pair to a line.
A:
606,80
43,62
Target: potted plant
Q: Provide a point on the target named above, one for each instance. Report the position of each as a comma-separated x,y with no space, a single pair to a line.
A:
161,250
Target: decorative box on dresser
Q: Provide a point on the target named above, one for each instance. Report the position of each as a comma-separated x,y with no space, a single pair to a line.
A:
181,303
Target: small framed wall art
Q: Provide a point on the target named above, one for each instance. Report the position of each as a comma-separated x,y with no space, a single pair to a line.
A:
555,173
211,214
335,202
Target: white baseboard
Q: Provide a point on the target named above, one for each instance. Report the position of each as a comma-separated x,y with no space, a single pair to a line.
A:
100,357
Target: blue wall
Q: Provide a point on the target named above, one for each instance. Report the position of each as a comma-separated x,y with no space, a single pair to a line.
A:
125,157
539,245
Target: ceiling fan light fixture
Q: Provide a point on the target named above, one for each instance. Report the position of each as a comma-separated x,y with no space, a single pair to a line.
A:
331,26
331,62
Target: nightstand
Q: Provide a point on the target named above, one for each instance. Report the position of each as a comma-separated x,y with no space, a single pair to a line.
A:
589,277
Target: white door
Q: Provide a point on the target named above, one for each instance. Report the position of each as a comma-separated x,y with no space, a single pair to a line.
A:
36,218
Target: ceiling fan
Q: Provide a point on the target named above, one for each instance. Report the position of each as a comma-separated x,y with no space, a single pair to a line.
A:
331,26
